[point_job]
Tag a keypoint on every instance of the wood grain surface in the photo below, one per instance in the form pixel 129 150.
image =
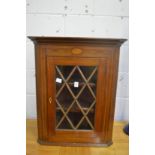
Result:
pixel 120 144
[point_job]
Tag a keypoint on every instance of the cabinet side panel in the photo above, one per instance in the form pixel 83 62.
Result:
pixel 114 88
pixel 111 93
pixel 37 73
pixel 40 61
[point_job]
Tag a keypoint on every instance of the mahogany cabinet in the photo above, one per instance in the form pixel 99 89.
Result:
pixel 76 81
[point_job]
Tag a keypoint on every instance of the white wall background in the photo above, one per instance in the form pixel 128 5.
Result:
pixel 81 18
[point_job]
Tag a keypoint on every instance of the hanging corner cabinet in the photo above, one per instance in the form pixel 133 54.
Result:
pixel 76 81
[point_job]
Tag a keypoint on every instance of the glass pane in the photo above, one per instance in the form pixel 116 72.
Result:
pixel 65 70
pixel 85 125
pixel 59 81
pixel 59 115
pixel 87 71
pixel 75 97
pixel 65 98
pixel 92 82
pixel 75 114
pixel 77 79
pixel 85 99
pixel 65 125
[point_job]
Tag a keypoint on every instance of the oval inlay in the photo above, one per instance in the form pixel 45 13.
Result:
pixel 76 51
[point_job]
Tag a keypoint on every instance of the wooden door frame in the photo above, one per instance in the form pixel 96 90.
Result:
pixel 83 136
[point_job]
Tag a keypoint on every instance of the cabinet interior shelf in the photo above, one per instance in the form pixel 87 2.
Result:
pixel 76 110
pixel 91 84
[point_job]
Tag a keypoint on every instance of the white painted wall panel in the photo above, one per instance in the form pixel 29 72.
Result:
pixel 124 59
pixel 30 82
pixel 127 42
pixel 30 60
pixel 110 27
pixel 111 7
pixel 45 25
pixel 30 106
pixel 60 6
pixel 28 40
pixel 122 109
pixel 106 27
pixel 123 85
pixel 45 6
pixel 80 26
pixel 125 27
pixel 79 6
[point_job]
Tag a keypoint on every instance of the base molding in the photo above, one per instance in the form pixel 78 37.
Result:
pixel 75 144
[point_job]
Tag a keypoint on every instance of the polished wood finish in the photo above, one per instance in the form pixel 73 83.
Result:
pixel 120 143
pixel 103 53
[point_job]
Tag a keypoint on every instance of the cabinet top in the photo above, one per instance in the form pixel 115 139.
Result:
pixel 79 40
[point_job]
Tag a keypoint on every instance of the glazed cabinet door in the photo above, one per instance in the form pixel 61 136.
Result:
pixel 75 99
